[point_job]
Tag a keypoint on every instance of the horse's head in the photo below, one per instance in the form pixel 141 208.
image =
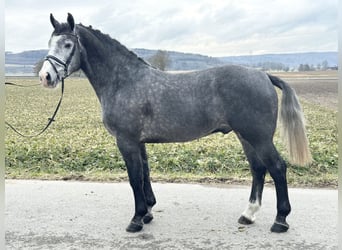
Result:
pixel 64 55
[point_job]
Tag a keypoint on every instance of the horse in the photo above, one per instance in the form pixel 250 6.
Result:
pixel 141 104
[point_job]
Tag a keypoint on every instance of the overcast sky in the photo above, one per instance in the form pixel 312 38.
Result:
pixel 208 27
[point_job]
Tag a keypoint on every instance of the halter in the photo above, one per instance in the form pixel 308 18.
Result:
pixel 53 59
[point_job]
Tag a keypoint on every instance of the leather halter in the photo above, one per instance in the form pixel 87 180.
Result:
pixel 53 60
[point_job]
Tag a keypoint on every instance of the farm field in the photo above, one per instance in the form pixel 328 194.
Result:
pixel 78 147
pixel 315 86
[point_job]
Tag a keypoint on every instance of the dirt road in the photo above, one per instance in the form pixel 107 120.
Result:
pixel 85 215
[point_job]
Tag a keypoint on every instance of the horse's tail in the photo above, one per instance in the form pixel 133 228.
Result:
pixel 293 124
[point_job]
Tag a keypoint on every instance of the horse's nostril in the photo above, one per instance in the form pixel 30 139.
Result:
pixel 48 77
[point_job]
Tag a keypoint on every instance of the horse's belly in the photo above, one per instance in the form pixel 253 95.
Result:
pixel 180 134
pixel 169 137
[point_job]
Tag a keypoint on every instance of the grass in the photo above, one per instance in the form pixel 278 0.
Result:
pixel 77 146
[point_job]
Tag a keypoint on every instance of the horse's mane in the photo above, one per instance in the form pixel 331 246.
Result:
pixel 105 38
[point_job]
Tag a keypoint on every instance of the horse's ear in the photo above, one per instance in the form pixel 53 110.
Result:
pixel 53 21
pixel 71 21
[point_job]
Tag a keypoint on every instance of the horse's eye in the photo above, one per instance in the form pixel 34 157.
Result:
pixel 67 45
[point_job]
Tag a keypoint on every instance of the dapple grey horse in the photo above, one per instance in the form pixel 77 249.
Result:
pixel 141 104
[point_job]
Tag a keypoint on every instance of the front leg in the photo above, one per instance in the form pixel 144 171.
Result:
pixel 130 150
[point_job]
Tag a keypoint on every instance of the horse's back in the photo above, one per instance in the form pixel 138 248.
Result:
pixel 238 89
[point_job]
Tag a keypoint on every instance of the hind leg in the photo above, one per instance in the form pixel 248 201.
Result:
pixel 277 169
pixel 258 172
pixel 149 195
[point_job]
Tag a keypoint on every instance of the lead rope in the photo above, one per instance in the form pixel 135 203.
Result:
pixel 65 66
pixel 19 85
pixel 52 119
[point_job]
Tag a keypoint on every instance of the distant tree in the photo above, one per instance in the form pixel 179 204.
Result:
pixel 160 60
pixel 38 66
pixel 304 67
pixel 301 67
pixel 325 65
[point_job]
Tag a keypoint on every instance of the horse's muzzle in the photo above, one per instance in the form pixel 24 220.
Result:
pixel 45 80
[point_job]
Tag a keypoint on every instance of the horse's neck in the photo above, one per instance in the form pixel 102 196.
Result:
pixel 106 64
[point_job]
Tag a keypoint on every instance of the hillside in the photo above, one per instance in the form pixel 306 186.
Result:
pixel 30 57
pixel 22 63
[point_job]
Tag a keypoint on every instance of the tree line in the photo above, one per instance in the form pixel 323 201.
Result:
pixel 267 66
pixel 320 66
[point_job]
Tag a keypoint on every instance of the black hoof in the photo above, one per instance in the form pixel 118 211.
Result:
pixel 279 227
pixel 147 218
pixel 134 227
pixel 245 221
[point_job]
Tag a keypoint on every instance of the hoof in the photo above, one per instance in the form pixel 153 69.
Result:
pixel 134 227
pixel 148 218
pixel 245 221
pixel 279 227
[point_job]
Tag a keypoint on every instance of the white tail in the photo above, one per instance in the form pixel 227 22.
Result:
pixel 293 124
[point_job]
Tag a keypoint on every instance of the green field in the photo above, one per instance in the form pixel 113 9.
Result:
pixel 77 146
